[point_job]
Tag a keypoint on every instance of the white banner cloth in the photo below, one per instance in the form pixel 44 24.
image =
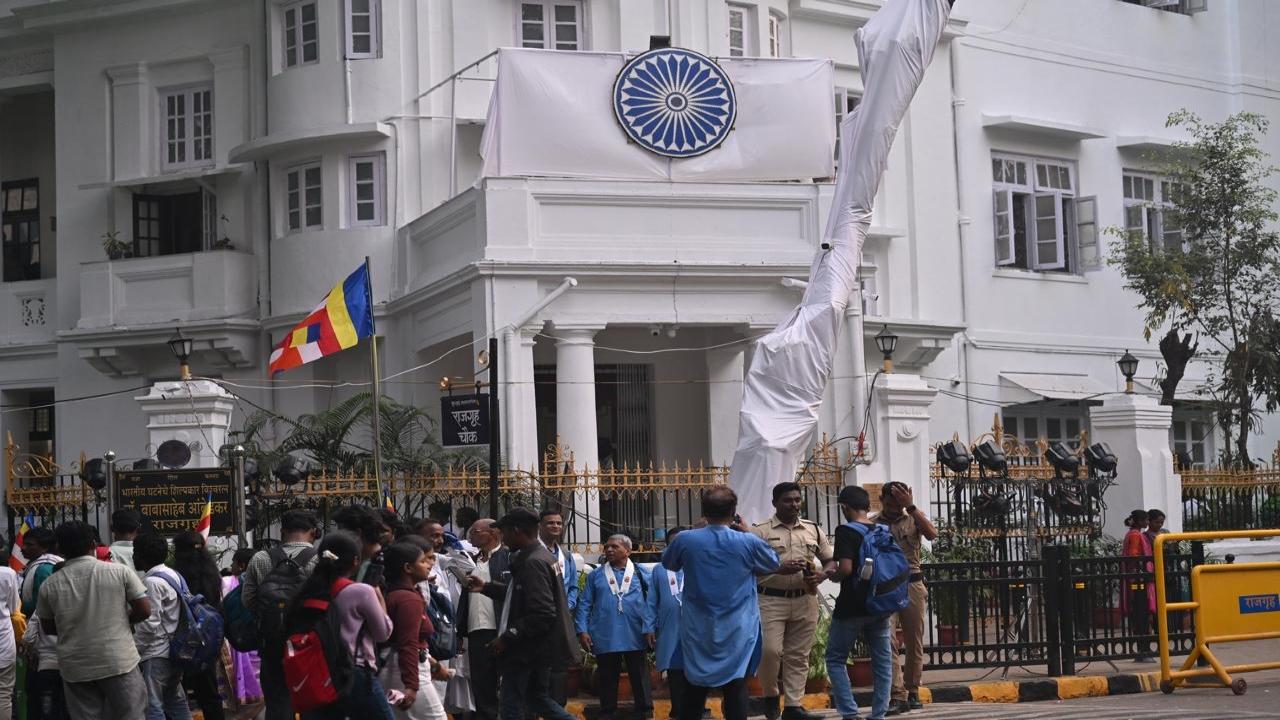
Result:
pixel 551 115
pixel 789 370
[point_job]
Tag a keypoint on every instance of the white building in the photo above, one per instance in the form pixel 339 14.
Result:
pixel 306 135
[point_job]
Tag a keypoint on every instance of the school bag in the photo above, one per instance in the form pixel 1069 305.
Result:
pixel 278 588
pixel 318 666
pixel 197 642
pixel 890 573
pixel 241 624
pixel 443 643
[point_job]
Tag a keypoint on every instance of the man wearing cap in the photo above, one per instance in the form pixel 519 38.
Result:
pixel 789 601
pixel 909 526
pixel 535 631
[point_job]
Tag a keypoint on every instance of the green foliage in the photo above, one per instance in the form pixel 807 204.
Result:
pixel 337 439
pixel 1223 283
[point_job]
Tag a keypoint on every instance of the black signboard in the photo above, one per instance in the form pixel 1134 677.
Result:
pixel 173 500
pixel 464 420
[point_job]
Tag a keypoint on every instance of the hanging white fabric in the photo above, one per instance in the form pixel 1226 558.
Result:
pixel 790 367
pixel 551 115
pixel 675 582
pixel 619 591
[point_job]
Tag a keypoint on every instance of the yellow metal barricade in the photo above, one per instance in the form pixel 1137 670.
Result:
pixel 1232 603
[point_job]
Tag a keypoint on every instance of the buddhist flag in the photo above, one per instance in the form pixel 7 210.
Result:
pixel 17 560
pixel 206 518
pixel 338 322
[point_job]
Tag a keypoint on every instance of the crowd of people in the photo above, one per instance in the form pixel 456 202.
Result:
pixel 479 617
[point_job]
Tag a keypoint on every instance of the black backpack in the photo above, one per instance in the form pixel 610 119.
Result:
pixel 278 588
pixel 443 643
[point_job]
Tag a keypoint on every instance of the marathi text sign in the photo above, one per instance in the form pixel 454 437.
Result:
pixel 464 420
pixel 173 500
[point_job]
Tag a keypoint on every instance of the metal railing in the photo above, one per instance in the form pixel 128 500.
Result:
pixel 1231 498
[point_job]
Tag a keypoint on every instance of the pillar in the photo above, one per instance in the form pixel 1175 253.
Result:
pixel 576 421
pixel 1137 429
pixel 519 413
pixel 899 447
pixel 192 411
pixel 725 368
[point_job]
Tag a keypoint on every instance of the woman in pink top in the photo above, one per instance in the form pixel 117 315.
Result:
pixel 362 613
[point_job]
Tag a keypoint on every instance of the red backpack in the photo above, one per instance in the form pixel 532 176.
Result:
pixel 317 664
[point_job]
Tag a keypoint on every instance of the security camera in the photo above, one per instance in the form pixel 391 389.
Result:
pixel 655 330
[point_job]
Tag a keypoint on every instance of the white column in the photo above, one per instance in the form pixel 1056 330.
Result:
pixel 132 106
pixel 900 444
pixel 194 411
pixel 576 417
pixel 725 367
pixel 519 415
pixel 1137 429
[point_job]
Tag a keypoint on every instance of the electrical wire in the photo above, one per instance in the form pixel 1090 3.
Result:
pixel 67 401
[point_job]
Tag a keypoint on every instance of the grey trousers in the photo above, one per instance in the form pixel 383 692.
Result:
pixel 119 697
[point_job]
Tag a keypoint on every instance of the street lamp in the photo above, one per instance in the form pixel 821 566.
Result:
pixel 181 347
pixel 1128 367
pixel 886 342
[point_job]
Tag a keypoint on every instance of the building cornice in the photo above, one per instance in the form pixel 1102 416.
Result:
pixel 64 14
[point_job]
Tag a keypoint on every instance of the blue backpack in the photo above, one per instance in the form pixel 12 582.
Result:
pixel 443 643
pixel 197 642
pixel 241 624
pixel 890 574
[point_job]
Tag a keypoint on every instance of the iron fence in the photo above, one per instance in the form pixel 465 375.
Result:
pixel 1230 498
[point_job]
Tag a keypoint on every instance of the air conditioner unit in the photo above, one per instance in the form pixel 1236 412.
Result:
pixel 1162 3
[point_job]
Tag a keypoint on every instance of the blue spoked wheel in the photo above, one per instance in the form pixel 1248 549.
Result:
pixel 675 102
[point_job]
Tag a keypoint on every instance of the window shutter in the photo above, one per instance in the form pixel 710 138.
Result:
pixel 1191 7
pixel 1003 207
pixel 1048 247
pixel 1090 246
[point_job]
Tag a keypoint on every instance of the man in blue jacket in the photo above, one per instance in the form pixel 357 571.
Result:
pixel 616 622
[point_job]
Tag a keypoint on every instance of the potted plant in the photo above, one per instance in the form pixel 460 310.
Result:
pixel 224 242
pixel 816 680
pixel 947 600
pixel 114 246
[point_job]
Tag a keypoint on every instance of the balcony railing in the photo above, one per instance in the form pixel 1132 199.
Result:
pixel 28 310
pixel 186 287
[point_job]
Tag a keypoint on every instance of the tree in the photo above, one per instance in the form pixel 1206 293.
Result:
pixel 1222 283
pixel 337 439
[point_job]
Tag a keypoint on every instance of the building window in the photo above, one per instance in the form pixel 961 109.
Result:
pixel 20 229
pixel 1150 210
pixel 304 197
pixel 301 34
pixel 1191 437
pixel 173 224
pixel 846 102
pixel 1184 7
pixel 1039 221
pixel 1055 424
pixel 188 128
pixel 777 26
pixel 551 24
pixel 364 25
pixel 366 190
pixel 741 31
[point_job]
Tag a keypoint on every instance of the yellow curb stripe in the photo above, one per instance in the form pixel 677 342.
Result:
pixel 926 695
pixel 997 692
pixel 1150 681
pixel 1078 687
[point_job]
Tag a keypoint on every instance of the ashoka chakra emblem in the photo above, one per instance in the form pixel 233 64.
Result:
pixel 675 102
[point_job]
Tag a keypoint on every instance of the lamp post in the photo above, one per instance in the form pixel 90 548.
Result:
pixel 181 347
pixel 1128 367
pixel 887 342
pixel 238 495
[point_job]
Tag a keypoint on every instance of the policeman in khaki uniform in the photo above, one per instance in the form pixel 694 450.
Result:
pixel 909 526
pixel 789 600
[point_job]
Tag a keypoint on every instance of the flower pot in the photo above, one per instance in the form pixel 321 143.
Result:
pixel 573 680
pixel 816 686
pixel 948 635
pixel 860 674
pixel 1109 617
pixel 753 687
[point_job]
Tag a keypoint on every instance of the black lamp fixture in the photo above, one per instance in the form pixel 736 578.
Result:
pixel 1128 368
pixel 181 347
pixel 1100 459
pixel 954 456
pixel 1062 459
pixel 94 473
pixel 886 343
pixel 291 470
pixel 991 458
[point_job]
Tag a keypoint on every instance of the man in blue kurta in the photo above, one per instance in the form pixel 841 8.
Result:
pixel 720 638
pixel 665 597
pixel 615 621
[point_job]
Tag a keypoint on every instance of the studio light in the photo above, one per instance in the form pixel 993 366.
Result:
pixel 94 473
pixel 291 471
pixel 955 457
pixel 993 504
pixel 1062 459
pixel 1100 459
pixel 991 458
pixel 252 474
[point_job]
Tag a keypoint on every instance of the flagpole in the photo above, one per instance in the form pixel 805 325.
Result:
pixel 377 392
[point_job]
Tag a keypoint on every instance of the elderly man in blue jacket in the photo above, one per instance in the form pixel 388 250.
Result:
pixel 615 621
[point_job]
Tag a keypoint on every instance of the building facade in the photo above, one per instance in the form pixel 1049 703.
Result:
pixel 241 156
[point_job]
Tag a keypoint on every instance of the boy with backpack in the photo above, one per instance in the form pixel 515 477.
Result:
pixel 273 577
pixel 165 695
pixel 874 577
